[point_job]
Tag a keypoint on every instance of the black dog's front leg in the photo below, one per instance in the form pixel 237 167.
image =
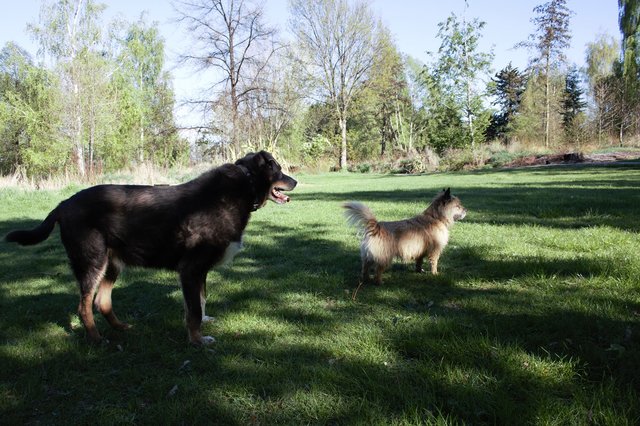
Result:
pixel 193 285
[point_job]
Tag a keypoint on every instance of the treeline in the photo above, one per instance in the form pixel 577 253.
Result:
pixel 97 99
pixel 339 93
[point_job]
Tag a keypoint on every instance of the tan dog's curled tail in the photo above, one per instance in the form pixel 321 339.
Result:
pixel 360 216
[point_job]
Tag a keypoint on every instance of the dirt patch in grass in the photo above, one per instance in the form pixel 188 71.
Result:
pixel 574 158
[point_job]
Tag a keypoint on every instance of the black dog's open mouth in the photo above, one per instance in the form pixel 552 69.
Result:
pixel 284 184
pixel 277 195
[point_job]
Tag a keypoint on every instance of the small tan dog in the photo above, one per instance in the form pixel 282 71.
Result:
pixel 409 239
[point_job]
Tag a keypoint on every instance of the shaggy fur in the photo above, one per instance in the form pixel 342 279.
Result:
pixel 412 239
pixel 188 228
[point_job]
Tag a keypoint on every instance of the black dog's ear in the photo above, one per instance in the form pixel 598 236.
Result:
pixel 260 159
pixel 254 160
pixel 447 193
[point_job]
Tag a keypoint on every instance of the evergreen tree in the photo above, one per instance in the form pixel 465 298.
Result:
pixel 573 103
pixel 507 87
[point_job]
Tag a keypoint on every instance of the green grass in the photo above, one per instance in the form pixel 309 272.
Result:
pixel 535 318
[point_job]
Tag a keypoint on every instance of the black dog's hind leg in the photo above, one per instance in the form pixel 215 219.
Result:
pixel 88 257
pixel 103 297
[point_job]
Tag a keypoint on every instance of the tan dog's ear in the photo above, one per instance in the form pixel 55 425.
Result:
pixel 447 193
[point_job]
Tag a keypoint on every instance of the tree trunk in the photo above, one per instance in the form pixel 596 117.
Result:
pixel 470 120
pixel 343 149
pixel 77 132
pixel 383 135
pixel 92 136
pixel 235 104
pixel 141 154
pixel 547 110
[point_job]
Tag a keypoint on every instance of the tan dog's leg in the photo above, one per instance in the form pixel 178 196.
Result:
pixel 433 258
pixel 379 271
pixel 366 266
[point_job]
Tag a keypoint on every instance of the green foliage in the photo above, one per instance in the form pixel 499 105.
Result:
pixel 601 55
pixel 529 123
pixel 30 117
pixel 99 106
pixel 456 74
pixel 532 320
pixel 314 149
pixel 336 42
pixel 629 27
pixel 104 102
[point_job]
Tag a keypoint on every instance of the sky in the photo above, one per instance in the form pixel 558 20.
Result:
pixel 413 23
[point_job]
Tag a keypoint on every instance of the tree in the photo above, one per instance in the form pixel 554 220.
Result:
pixel 29 116
pixel 69 32
pixel 530 122
pixel 412 120
pixel 601 57
pixel 336 46
pixel 629 20
pixel 231 41
pixel 572 104
pixel 550 38
pixel 165 147
pixel 444 124
pixel 389 88
pixel 269 110
pixel 459 68
pixel 15 64
pixel 142 61
pixel 507 88
pixel 377 110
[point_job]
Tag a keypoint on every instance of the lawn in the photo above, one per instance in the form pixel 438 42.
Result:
pixel 534 318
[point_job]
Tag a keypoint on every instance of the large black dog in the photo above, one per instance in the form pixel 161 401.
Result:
pixel 189 228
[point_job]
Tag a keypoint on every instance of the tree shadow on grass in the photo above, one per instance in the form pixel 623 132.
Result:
pixel 435 345
pixel 554 207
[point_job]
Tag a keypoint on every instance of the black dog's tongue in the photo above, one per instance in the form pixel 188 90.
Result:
pixel 279 197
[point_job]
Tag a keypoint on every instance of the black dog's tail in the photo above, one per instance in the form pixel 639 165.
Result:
pixel 37 234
